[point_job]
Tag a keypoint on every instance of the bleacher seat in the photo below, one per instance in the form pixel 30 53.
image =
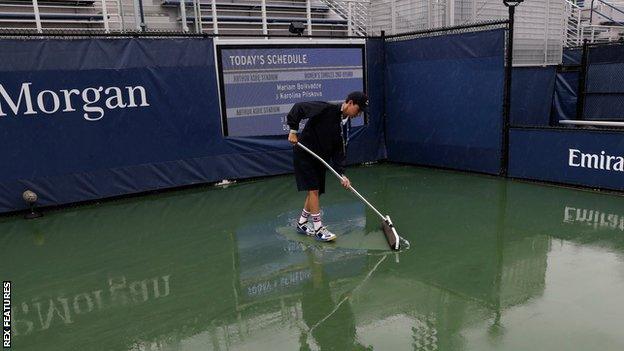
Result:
pixel 246 19
pixel 51 16
pixel 54 2
pixel 250 7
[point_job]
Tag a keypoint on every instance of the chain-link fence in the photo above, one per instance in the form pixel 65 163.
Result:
pixel 601 87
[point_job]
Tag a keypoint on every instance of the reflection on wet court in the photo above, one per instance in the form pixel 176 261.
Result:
pixel 494 264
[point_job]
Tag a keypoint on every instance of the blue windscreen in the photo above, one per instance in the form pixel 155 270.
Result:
pixel 604 86
pixel 445 100
pixel 88 119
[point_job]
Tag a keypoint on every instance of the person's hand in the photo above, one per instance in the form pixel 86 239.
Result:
pixel 292 137
pixel 346 182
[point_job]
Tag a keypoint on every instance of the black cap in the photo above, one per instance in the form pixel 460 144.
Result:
pixel 360 99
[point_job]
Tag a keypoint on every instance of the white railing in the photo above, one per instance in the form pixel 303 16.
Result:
pixel 584 23
pixel 42 16
pixel 400 16
pixel 611 10
pixel 273 17
pixel 601 33
pixel 354 11
pixel 573 26
pixel 538 31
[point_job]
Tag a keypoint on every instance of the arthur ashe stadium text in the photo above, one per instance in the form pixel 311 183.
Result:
pixel 88 100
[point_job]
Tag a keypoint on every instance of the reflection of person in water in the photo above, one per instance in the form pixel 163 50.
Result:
pixel 331 331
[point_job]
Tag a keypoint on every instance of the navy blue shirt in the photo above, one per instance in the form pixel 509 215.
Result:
pixel 323 132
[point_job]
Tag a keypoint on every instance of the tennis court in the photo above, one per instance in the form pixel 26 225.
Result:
pixel 493 264
pixel 155 157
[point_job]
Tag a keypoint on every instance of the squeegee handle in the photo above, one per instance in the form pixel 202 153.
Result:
pixel 383 218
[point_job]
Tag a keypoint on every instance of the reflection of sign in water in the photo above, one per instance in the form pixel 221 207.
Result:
pixel 260 85
pixel 270 263
pixel 285 281
pixel 593 218
pixel 39 314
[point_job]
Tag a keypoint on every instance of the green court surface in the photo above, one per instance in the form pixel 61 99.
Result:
pixel 493 264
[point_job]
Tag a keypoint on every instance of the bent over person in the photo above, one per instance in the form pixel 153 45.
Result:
pixel 326 133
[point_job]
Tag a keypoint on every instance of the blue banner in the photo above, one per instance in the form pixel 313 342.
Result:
pixel 565 97
pixel 260 85
pixel 579 157
pixel 89 119
pixel 604 87
pixel 532 91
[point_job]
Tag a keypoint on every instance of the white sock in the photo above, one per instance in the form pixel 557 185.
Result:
pixel 316 219
pixel 304 216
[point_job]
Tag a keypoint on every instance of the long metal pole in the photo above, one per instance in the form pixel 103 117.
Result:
pixel 142 16
pixel 383 87
pixel 580 94
pixel 591 13
pixel 507 99
pixel 340 178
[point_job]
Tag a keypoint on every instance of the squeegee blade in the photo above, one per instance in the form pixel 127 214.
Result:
pixel 391 234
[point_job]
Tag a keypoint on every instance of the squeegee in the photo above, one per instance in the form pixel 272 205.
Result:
pixel 386 225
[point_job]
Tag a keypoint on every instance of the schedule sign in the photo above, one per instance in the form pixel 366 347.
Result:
pixel 259 85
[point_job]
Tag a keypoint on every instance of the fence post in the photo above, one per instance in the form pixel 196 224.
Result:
pixel 384 115
pixel 507 98
pixel 105 17
pixel 37 17
pixel 142 25
pixel 580 95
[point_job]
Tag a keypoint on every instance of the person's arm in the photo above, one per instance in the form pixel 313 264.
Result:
pixel 299 112
pixel 340 162
pixel 295 116
pixel 293 119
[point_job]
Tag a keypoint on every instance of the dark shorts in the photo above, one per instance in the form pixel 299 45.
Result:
pixel 309 172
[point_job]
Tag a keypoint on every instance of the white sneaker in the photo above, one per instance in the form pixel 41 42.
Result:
pixel 323 234
pixel 305 228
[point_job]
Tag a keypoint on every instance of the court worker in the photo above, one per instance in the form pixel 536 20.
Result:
pixel 326 133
